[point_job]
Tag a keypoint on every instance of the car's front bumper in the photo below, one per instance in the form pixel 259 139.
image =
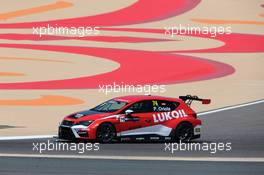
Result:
pixel 73 133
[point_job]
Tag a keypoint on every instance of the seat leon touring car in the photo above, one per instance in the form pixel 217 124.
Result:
pixel 135 118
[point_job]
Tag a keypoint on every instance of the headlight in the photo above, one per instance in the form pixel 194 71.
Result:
pixel 85 123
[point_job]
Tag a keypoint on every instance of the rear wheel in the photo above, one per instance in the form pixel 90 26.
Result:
pixel 184 132
pixel 105 133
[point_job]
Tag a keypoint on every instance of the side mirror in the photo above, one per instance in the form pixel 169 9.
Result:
pixel 129 112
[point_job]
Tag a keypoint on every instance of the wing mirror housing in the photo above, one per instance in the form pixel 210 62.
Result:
pixel 129 112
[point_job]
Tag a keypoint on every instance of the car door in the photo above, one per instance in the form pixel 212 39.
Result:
pixel 136 123
pixel 162 115
pixel 161 110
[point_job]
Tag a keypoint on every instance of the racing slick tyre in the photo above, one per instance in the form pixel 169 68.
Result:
pixel 183 132
pixel 105 133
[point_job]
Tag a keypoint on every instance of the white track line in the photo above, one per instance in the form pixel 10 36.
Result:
pixel 205 159
pixel 230 107
pixel 199 114
pixel 26 137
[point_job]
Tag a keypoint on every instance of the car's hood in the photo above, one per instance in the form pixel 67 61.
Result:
pixel 87 115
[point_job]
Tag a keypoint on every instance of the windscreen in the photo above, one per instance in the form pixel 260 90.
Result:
pixel 109 106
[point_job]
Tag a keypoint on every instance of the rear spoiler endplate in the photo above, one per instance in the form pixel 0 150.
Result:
pixel 188 99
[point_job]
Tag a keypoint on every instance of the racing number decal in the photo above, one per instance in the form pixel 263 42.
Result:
pixel 154 103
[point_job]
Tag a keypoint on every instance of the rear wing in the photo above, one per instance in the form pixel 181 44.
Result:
pixel 188 99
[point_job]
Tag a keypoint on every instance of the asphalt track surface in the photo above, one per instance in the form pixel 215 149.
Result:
pixel 242 127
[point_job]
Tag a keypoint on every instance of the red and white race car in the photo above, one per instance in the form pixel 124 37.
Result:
pixel 135 118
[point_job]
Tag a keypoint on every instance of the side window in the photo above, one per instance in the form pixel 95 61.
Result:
pixel 164 106
pixel 141 107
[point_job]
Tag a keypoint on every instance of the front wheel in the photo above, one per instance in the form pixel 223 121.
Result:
pixel 105 133
pixel 184 132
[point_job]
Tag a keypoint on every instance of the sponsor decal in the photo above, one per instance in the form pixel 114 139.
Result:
pixel 165 116
pixel 79 115
pixel 167 138
pixel 154 138
pixel 125 139
pixel 125 119
pixel 140 138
